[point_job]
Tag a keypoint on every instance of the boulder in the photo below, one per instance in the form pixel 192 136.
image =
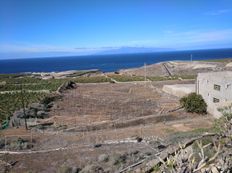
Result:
pixel 18 114
pixel 37 106
pixel 35 110
pixel 76 169
pixel 120 159
pixel 161 147
pixel 139 139
pixel 214 170
pixel 50 105
pixel 92 168
pixel 70 85
pixel 103 158
pixel 16 121
pixel 42 114
pixel 2 143
pixel 66 86
pixel 97 145
pixel 30 113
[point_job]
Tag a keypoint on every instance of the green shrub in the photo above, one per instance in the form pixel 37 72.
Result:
pixel 194 103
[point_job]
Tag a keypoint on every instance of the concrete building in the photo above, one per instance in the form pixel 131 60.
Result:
pixel 216 89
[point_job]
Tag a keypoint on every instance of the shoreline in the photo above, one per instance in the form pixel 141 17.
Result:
pixel 71 71
pixel 106 63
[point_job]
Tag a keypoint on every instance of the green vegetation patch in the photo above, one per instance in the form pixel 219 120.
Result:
pixel 19 79
pixel 125 78
pixel 9 83
pixel 93 79
pixel 10 102
pixel 50 85
pixel 179 136
pixel 194 103
pixel 161 78
pixel 83 72
pixel 175 77
pixel 12 86
pixel 219 60
pixel 187 76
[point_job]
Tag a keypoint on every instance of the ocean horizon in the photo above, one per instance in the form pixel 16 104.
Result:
pixel 106 63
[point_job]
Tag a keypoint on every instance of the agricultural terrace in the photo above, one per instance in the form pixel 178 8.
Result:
pixel 35 89
pixel 15 87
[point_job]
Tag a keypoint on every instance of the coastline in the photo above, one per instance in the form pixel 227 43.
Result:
pixel 106 63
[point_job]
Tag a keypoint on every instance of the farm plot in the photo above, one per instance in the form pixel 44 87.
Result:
pixel 91 103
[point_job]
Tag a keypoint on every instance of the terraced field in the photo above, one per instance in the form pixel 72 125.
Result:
pixel 14 89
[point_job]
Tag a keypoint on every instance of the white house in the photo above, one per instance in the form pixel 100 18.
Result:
pixel 216 89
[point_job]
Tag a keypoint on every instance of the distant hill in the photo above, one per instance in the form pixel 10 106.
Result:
pixel 127 50
pixel 81 52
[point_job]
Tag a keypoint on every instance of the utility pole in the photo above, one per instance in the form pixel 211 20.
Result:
pixel 23 104
pixel 145 72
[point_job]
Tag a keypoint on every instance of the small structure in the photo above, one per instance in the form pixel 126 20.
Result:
pixel 216 89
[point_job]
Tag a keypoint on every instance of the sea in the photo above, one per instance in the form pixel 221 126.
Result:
pixel 106 63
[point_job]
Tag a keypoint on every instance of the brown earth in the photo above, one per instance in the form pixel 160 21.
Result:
pixel 104 114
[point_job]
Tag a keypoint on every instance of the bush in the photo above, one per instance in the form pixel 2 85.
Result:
pixel 194 103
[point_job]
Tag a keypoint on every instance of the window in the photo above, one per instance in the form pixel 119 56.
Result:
pixel 215 100
pixel 228 86
pixel 217 87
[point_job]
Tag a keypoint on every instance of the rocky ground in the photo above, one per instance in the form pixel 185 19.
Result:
pixel 208 153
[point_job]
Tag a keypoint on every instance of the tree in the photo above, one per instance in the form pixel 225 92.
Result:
pixel 194 103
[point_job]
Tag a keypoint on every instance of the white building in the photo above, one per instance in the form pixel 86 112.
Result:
pixel 216 89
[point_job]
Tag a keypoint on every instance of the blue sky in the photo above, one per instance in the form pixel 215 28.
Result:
pixel 61 27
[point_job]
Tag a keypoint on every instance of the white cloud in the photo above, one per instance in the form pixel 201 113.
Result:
pixel 182 39
pixel 201 39
pixel 167 39
pixel 218 12
pixel 192 38
pixel 203 36
pixel 32 48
